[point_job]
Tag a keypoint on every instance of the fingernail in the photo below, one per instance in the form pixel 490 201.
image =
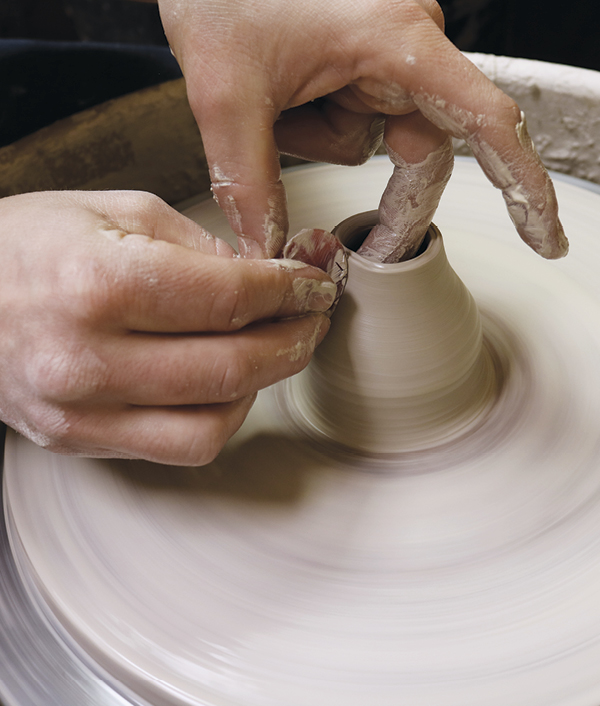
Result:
pixel 249 249
pixel 314 295
pixel 321 249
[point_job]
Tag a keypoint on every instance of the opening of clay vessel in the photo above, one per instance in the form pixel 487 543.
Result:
pixel 353 231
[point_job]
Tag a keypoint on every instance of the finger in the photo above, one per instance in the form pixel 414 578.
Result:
pixel 467 105
pixel 411 138
pixel 433 9
pixel 243 160
pixel 186 370
pixel 187 435
pixel 348 97
pixel 325 131
pixel 502 146
pixel 324 250
pixel 139 212
pixel 423 157
pixel 464 103
pixel 515 167
pixel 159 287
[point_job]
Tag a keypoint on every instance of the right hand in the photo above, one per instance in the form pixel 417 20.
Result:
pixel 316 79
pixel 126 330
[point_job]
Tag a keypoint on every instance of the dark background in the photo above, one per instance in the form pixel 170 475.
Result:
pixel 61 56
pixel 526 28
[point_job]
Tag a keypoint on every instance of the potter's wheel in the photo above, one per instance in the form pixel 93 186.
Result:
pixel 294 573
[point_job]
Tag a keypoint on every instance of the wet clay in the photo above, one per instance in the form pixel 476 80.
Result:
pixel 299 570
pixel 419 376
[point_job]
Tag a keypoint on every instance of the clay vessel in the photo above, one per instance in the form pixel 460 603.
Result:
pixel 403 367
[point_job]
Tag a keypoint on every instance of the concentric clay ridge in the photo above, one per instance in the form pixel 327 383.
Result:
pixel 465 573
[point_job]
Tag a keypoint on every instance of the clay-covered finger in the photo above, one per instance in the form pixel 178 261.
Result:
pixel 155 286
pixel 243 161
pixel 146 369
pixel 502 146
pixel 454 95
pixel 423 157
pixel 527 189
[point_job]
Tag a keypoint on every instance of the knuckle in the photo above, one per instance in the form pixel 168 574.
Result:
pixel 512 109
pixel 218 91
pixel 145 204
pixel 50 427
pixel 86 286
pixel 222 426
pixel 412 11
pixel 503 104
pixel 230 308
pixel 506 112
pixel 138 201
pixel 60 372
pixel 353 150
pixel 433 9
pixel 231 376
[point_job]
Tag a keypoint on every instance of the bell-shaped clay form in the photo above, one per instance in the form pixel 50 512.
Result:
pixel 403 367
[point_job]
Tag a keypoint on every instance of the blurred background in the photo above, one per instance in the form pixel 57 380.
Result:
pixel 58 57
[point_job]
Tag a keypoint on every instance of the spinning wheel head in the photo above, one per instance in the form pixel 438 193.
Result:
pixel 457 573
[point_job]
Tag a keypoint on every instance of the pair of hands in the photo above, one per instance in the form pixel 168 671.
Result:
pixel 127 330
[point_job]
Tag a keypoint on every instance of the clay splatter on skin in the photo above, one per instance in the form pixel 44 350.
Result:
pixel 274 224
pixel 228 205
pixel 408 205
pixel 273 232
pixel 287 264
pixel 534 214
pixel 218 177
pixel 55 419
pixel 249 248
pixel 232 212
pixel 313 294
pixel 533 209
pixel 304 347
pixel 385 95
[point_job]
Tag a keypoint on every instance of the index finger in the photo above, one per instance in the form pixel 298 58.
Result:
pixel 457 97
pixel 163 287
pixel 243 160
pixel 499 140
